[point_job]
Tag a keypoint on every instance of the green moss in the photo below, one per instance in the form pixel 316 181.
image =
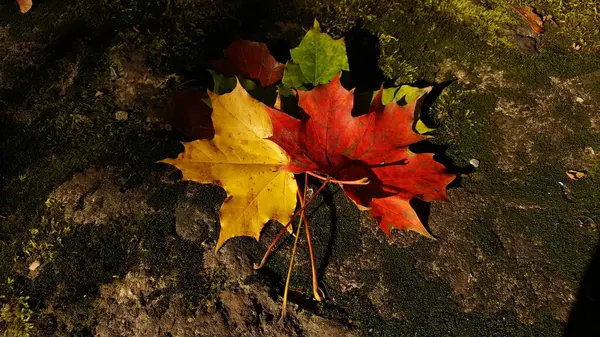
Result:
pixel 16 317
pixel 488 19
pixel 595 171
pixel 45 238
pixel 567 245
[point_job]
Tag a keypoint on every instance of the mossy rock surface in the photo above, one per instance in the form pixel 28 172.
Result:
pixel 98 239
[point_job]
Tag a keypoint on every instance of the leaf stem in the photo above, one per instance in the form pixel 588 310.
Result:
pixel 302 208
pixel 363 181
pixel 315 285
pixel 289 274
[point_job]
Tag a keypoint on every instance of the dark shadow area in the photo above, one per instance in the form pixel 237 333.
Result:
pixel 79 42
pixel 327 195
pixel 304 300
pixel 440 156
pixel 247 22
pixel 423 209
pixel 280 49
pixel 97 255
pixel 362 102
pixel 429 99
pixel 363 52
pixel 584 319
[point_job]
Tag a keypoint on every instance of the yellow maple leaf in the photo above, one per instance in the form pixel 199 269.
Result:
pixel 247 165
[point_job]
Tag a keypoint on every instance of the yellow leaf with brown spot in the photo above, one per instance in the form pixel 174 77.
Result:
pixel 245 163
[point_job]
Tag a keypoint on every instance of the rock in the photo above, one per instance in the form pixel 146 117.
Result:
pixel 95 196
pixel 141 305
pixel 135 87
pixel 195 219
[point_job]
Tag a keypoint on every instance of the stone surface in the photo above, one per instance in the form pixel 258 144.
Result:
pixel 97 196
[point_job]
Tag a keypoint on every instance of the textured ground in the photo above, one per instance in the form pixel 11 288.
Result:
pixel 98 240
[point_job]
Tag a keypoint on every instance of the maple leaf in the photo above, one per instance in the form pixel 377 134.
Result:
pixel 316 60
pixel 329 140
pixel 250 59
pixel 245 163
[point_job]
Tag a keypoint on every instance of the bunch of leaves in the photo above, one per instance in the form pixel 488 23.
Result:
pixel 259 144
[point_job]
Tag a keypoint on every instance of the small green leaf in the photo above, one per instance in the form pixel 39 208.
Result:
pixel 225 84
pixel 421 128
pixel 405 92
pixel 293 77
pixel 285 91
pixel 389 95
pixel 222 84
pixel 411 93
pixel 207 101
pixel 404 95
pixel 319 56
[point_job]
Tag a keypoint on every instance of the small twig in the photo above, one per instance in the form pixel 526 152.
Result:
pixel 264 259
pixel 289 274
pixel 363 181
pixel 315 283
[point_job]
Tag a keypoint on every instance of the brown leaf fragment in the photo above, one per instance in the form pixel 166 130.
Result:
pixel 575 175
pixel 34 265
pixel 24 5
pixel 251 59
pixel 533 19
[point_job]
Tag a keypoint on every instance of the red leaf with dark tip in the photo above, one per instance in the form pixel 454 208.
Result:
pixel 374 145
pixel 251 59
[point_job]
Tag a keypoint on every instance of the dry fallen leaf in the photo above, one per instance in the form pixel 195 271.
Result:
pixel 34 265
pixel 24 5
pixel 575 175
pixel 534 19
pixel 251 59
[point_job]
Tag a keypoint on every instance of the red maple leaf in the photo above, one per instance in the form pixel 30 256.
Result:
pixel 250 59
pixel 329 140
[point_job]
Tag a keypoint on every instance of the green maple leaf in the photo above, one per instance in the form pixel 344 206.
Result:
pixel 316 60
pixel 293 77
